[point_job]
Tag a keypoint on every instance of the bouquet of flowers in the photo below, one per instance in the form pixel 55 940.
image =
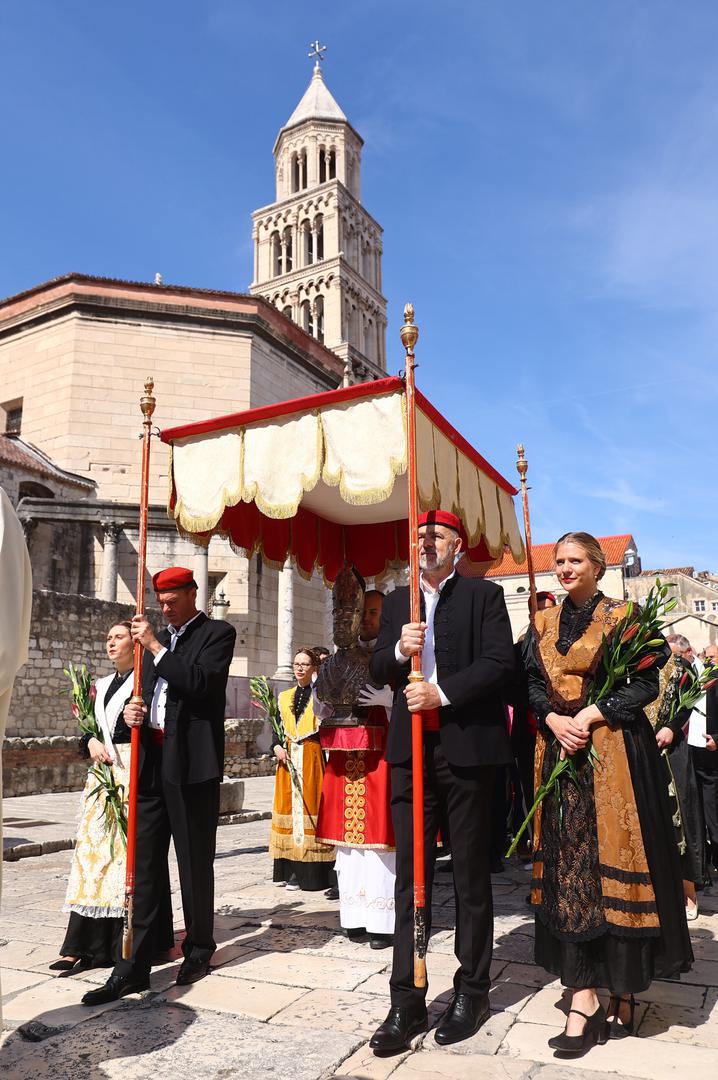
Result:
pixel 691 688
pixel 111 794
pixel 625 654
pixel 263 698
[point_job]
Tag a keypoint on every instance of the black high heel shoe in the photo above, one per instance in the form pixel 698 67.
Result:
pixel 616 1028
pixel 594 1032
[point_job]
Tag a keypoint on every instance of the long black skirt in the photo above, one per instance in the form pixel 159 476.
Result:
pixel 628 963
pixel 310 876
pixel 99 941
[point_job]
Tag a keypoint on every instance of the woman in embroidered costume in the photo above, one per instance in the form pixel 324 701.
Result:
pixel 300 861
pixel 606 884
pixel 96 887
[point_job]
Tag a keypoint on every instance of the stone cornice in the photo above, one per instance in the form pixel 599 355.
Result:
pixel 335 186
pixel 107 298
pixel 338 266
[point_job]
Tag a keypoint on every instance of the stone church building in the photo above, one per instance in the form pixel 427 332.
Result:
pixel 75 352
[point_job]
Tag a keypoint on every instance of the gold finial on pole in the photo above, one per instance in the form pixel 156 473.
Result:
pixel 409 333
pixel 522 467
pixel 148 401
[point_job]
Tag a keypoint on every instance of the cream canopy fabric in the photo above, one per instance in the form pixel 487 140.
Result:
pixel 340 456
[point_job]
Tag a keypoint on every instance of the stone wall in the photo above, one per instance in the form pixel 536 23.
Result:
pixel 37 766
pixel 64 627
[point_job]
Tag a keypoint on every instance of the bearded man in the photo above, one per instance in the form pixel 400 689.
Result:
pixel 465 643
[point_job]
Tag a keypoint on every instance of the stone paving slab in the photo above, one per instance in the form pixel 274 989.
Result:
pixel 291 997
pixel 162 1040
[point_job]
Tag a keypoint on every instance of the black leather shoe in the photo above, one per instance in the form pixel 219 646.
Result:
pixel 192 971
pixel 115 988
pixel 381 941
pixel 400 1027
pixel 462 1019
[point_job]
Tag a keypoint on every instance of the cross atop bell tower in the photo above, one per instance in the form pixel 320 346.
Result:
pixel 317 251
pixel 317 52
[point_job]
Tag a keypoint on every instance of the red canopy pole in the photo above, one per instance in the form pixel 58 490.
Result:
pixel 147 404
pixel 522 467
pixel 409 335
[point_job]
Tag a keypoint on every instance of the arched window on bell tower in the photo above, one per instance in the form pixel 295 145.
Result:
pixel 322 165
pixel 303 170
pixel 307 321
pixel 319 319
pixel 332 164
pixel 287 249
pixel 276 249
pixel 294 170
pixel 307 243
pixel 318 237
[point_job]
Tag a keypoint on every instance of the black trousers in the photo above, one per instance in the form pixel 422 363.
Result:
pixel 705 764
pixel 464 796
pixel 188 813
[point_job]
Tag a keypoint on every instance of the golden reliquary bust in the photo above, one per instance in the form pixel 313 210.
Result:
pixel 345 674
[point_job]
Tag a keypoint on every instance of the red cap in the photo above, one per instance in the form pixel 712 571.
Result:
pixel 442 517
pixel 174 577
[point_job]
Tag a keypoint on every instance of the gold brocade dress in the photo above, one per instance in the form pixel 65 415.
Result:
pixel 606 886
pixel 293 846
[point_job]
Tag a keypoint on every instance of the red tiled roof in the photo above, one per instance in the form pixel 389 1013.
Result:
pixel 21 455
pixel 614 548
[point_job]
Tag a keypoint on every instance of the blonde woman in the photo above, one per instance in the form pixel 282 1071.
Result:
pixel 606 884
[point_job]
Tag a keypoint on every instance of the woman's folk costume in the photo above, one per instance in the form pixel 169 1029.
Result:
pixel 679 773
pixel 606 885
pixel 96 886
pixel 297 790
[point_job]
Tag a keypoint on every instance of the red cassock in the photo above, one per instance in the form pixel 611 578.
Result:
pixel 354 810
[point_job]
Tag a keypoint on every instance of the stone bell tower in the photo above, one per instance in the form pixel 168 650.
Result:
pixel 317 252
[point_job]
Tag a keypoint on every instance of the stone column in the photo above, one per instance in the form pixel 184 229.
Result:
pixel 201 576
pixel 110 538
pixel 285 623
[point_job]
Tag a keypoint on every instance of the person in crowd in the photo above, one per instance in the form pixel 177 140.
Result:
pixel 184 681
pixel 96 887
pixel 464 641
pixel 681 782
pixel 321 652
pixel 702 735
pixel 607 883
pixel 355 813
pixel 523 739
pixel 300 861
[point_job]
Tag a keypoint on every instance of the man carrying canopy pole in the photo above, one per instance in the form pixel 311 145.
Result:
pixel 461 647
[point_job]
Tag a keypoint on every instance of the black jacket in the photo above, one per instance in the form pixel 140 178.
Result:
pixel 474 661
pixel 196 674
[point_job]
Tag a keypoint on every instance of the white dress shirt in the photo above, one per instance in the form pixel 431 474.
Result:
pixel 428 654
pixel 159 698
pixel 697 719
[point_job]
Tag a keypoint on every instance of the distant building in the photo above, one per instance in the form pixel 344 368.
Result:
pixel 696 615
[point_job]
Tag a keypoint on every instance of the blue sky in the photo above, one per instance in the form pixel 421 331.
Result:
pixel 545 174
